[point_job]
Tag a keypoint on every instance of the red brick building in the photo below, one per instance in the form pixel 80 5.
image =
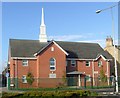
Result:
pixel 50 61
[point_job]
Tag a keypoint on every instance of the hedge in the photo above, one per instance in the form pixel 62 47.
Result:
pixel 48 94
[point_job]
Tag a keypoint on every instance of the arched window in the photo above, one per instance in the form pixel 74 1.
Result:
pixel 52 64
pixel 99 63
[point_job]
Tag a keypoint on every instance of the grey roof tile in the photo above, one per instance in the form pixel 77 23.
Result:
pixel 27 48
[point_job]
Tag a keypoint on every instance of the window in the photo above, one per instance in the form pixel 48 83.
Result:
pixel 87 63
pixel 73 63
pixel 66 63
pixel 99 63
pixel 52 75
pixel 24 79
pixel 87 78
pixel 52 64
pixel 52 48
pixel 25 62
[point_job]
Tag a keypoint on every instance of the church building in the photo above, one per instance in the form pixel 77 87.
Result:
pixel 51 62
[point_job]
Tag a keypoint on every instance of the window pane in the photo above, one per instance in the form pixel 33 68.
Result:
pixel 52 67
pixel 52 61
pixel 87 78
pixel 73 62
pixel 87 63
pixel 99 63
pixel 52 64
pixel 24 62
pixel 24 79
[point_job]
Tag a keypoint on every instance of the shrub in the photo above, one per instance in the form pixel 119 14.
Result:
pixel 30 78
pixel 10 95
pixel 103 77
pixel 51 94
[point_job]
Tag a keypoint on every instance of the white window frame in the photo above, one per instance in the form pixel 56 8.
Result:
pixel 52 74
pixel 89 78
pixel 24 63
pixel 86 63
pixel 99 62
pixel 73 63
pixel 53 65
pixel 24 80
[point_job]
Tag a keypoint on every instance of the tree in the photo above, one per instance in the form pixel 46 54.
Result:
pixel 103 77
pixel 30 78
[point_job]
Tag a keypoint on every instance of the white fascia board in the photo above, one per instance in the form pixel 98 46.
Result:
pixel 80 59
pixel 108 59
pixel 103 58
pixel 23 57
pixel 86 59
pixel 60 48
pixel 48 45
pixel 42 49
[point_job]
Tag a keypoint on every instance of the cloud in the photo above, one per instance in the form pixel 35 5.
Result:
pixel 66 37
pixel 101 42
pixel 78 38
pixel 81 38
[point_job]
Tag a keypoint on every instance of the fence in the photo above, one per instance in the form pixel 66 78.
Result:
pixel 69 82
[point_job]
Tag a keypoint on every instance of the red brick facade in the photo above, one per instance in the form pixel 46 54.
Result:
pixel 40 67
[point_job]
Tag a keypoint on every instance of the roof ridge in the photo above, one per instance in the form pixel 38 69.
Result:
pixel 77 42
pixel 23 39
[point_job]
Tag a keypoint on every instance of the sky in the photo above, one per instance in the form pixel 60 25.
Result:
pixel 70 21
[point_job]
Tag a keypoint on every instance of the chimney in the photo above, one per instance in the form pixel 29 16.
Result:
pixel 109 41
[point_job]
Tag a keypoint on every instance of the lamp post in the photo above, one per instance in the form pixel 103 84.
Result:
pixel 116 75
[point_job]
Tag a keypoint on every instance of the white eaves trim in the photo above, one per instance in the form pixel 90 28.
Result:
pixel 60 48
pixel 79 59
pixel 91 59
pixel 23 57
pixel 48 45
pixel 103 58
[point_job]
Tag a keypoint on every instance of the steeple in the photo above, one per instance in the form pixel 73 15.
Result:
pixel 42 18
pixel 42 36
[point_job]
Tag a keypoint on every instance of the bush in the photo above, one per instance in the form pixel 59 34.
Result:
pixel 30 78
pixel 10 95
pixel 52 94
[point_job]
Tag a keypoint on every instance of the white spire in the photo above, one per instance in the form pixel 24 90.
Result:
pixel 42 18
pixel 42 36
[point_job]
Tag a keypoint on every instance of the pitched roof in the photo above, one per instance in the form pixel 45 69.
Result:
pixel 25 48
pixel 83 50
pixel 78 50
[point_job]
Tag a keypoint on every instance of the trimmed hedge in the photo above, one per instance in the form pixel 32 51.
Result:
pixel 52 94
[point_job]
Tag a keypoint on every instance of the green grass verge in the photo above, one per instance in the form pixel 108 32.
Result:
pixel 61 88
